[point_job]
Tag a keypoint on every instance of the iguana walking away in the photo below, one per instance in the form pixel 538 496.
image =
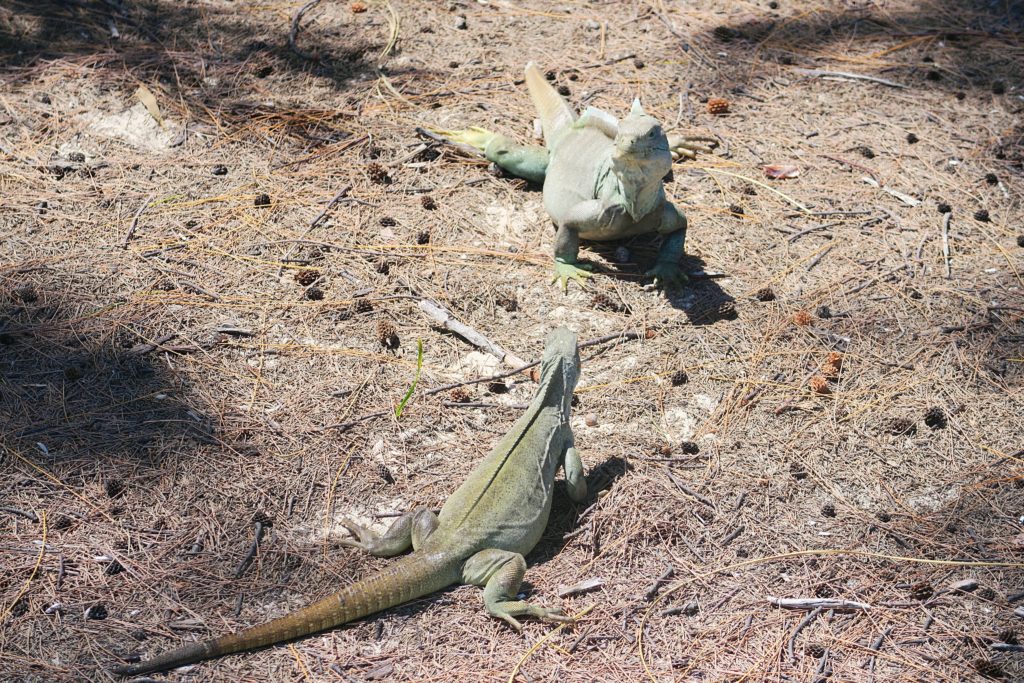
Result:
pixel 480 536
pixel 603 178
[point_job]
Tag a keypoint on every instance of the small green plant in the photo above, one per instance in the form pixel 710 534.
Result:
pixel 419 366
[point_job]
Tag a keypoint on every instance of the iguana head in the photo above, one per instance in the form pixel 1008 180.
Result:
pixel 560 365
pixel 641 139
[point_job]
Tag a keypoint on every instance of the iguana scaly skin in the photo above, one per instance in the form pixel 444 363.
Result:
pixel 603 178
pixel 480 537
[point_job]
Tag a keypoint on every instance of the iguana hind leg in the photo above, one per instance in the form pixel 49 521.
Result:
pixel 411 529
pixel 529 162
pixel 501 573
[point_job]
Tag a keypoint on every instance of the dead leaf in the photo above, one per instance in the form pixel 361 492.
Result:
pixel 781 171
pixel 146 97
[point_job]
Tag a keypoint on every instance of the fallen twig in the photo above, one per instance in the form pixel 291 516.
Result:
pixel 141 349
pixel 135 220
pixel 804 623
pixel 31 516
pixel 690 492
pixel 341 194
pixel 581 587
pixel 846 74
pixel 853 164
pixel 902 196
pixel 656 586
pixel 816 603
pixel 945 244
pixel 875 647
pixel 446 319
pixel 247 560
pixel 294 32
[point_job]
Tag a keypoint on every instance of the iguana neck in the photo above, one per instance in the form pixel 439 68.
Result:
pixel 639 182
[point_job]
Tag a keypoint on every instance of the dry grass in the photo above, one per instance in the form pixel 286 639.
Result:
pixel 141 443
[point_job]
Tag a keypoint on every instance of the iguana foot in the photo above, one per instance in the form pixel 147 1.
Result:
pixel 571 271
pixel 668 274
pixel 686 147
pixel 508 611
pixel 474 136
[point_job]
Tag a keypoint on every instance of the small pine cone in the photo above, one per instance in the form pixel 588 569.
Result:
pixel 423 237
pixel 428 202
pixel 819 385
pixel 509 303
pixel 689 448
pixel 765 294
pixel 306 277
pixel 900 426
pixel 679 377
pixel 314 294
pixel 921 591
pixel 385 473
pixel 989 668
pixel 378 174
pixel 802 318
pixel 459 395
pixel 261 200
pixel 727 310
pixel 829 510
pixel 986 593
pixel 736 210
pixel 363 306
pixel 387 335
pixel 387 222
pixel 835 358
pixel 718 106
pixel 935 418
pixel 603 302
pixel 263 518
pixel 357 7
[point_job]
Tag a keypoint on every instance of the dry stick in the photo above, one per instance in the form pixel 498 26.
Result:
pixel 443 317
pixel 247 560
pixel 853 164
pixel 690 492
pixel 875 646
pixel 874 280
pixel 816 603
pixel 31 516
pixel 135 220
pixel 795 236
pixel 665 576
pixel 804 623
pixel 847 74
pixel 294 33
pixel 945 244
pixel 817 259
pixel 342 193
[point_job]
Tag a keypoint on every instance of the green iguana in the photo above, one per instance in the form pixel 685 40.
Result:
pixel 603 178
pixel 480 536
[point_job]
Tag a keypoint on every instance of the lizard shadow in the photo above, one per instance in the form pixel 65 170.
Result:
pixel 702 299
pixel 565 515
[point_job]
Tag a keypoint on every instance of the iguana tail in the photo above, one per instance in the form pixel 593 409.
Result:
pixel 411 577
pixel 556 116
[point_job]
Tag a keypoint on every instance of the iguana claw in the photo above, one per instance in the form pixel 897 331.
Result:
pixel 686 147
pixel 668 274
pixel 474 136
pixel 571 271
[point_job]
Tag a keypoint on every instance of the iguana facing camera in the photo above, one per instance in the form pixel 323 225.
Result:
pixel 603 178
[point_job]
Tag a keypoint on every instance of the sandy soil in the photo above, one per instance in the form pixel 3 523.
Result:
pixel 186 317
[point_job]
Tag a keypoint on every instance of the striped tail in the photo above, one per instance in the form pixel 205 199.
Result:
pixel 411 577
pixel 556 116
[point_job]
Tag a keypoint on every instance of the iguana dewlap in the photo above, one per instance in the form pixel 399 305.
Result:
pixel 480 536
pixel 603 178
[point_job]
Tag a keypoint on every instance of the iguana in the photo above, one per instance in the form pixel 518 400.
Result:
pixel 480 536
pixel 603 178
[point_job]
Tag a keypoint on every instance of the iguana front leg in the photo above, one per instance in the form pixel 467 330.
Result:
pixel 687 146
pixel 529 162
pixel 668 271
pixel 575 480
pixel 411 529
pixel 501 573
